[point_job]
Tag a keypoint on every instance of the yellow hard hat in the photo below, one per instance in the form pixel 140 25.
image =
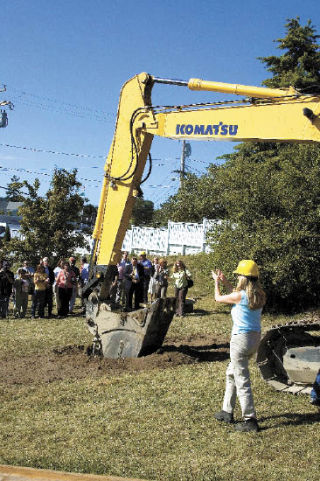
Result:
pixel 143 253
pixel 247 268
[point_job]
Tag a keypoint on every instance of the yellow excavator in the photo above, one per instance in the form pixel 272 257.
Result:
pixel 262 115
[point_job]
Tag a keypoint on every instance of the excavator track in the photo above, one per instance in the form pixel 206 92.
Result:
pixel 289 355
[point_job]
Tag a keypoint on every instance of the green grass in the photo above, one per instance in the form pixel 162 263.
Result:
pixel 155 425
pixel 24 337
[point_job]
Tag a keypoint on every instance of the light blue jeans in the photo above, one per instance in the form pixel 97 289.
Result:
pixel 242 347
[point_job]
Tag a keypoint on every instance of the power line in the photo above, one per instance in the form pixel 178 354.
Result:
pixel 199 161
pixel 160 196
pixel 21 170
pixel 38 150
pixel 33 149
pixel 70 154
pixel 23 97
pixel 28 171
pixel 48 108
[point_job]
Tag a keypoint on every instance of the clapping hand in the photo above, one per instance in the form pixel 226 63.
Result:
pixel 218 275
pixel 215 275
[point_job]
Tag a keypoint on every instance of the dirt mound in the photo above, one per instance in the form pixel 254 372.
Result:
pixel 73 362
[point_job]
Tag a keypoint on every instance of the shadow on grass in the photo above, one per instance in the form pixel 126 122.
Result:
pixel 220 311
pixel 291 419
pixel 201 312
pixel 207 353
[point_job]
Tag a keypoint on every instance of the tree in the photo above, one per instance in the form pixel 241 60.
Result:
pixel 5 241
pixel 198 197
pixel 267 194
pixel 48 223
pixel 88 217
pixel 142 212
pixel 89 213
pixel 299 66
pixel 13 190
pixel 273 217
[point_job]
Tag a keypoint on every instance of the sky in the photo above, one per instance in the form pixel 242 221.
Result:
pixel 64 61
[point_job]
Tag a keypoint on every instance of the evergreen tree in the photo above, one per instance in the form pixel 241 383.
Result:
pixel 13 190
pixel 299 66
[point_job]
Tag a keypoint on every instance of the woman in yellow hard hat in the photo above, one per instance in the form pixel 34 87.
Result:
pixel 248 300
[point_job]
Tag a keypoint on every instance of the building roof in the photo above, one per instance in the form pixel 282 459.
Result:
pixel 13 205
pixel 10 219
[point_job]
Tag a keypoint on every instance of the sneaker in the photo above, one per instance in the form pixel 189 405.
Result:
pixel 224 416
pixel 247 425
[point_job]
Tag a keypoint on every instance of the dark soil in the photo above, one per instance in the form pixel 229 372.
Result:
pixel 73 362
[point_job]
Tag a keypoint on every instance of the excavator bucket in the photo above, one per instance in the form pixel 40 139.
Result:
pixel 119 334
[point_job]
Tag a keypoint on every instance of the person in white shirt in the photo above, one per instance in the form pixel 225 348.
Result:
pixel 56 271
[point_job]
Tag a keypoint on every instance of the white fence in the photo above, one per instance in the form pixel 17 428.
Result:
pixel 178 238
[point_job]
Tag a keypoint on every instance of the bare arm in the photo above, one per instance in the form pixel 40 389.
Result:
pixel 232 298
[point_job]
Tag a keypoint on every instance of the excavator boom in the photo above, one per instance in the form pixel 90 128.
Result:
pixel 123 171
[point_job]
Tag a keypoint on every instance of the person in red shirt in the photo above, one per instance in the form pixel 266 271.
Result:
pixel 65 281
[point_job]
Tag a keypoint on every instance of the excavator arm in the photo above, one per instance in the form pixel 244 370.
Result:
pixel 285 119
pixel 263 115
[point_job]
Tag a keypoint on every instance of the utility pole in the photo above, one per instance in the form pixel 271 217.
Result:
pixel 3 113
pixel 182 162
pixel 186 152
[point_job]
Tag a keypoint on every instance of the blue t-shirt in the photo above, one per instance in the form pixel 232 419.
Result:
pixel 147 265
pixel 245 319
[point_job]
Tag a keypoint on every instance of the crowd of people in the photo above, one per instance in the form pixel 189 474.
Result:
pixel 138 281
pixel 42 284
pixel 141 280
